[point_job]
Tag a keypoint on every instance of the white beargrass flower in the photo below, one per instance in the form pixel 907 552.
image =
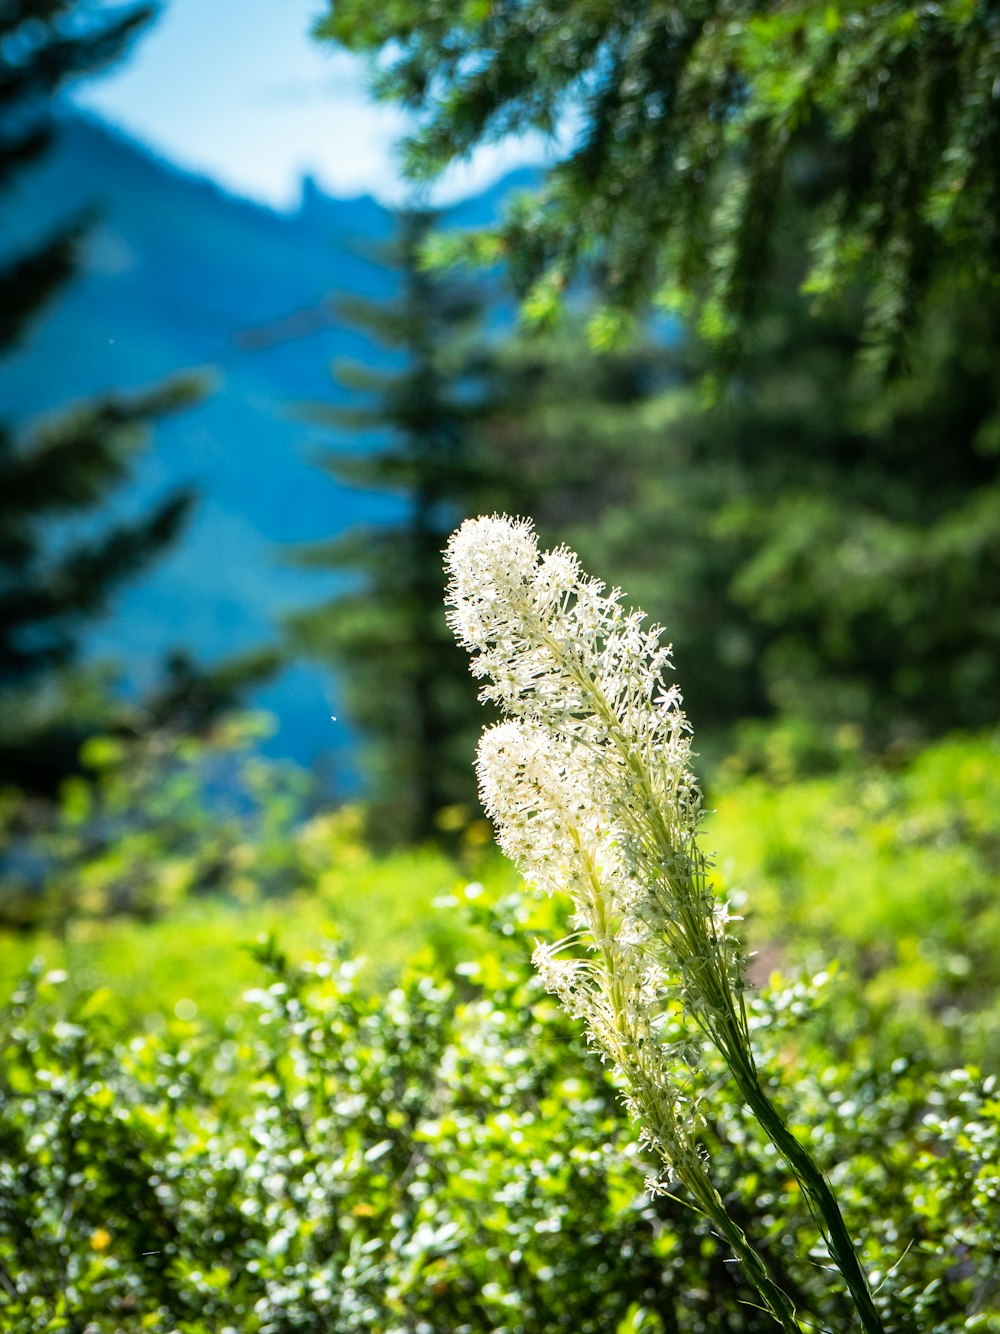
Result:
pixel 588 783
pixel 577 782
pixel 602 735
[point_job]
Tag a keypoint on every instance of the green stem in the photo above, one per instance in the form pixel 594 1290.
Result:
pixel 815 1186
pixel 774 1298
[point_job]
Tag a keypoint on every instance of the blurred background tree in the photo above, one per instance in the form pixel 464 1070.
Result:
pixel 405 684
pixel 478 420
pixel 813 193
pixel 690 125
pixel 817 547
pixel 60 562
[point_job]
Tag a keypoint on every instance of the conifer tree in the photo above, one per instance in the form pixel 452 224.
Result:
pixel 404 684
pixel 57 568
pixel 692 123
pixel 814 188
pixel 823 548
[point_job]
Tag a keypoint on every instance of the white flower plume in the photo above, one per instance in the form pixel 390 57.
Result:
pixel 552 643
pixel 602 734
pixel 588 783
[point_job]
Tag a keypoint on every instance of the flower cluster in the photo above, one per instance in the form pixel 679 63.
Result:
pixel 554 646
pixel 588 783
pixel 589 787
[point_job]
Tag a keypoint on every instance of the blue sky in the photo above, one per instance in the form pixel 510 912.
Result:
pixel 237 90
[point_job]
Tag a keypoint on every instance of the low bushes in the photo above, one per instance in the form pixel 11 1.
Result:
pixel 451 1159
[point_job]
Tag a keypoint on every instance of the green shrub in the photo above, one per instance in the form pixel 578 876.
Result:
pixel 893 867
pixel 434 1150
pixel 149 874
pixel 451 1159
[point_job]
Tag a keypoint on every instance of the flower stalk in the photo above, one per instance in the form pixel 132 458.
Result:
pixel 589 785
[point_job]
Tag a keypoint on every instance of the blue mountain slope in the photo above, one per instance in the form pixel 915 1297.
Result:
pixel 177 274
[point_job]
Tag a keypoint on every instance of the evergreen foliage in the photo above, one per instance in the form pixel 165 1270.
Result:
pixel 405 684
pixel 689 125
pixel 45 45
pixel 59 564
pixel 64 467
pixel 816 547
